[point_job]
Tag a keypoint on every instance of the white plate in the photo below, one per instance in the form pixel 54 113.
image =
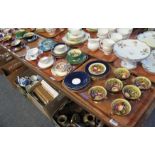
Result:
pixel 148 37
pixel 132 50
pixel 32 54
pixel 46 62
pixel 149 63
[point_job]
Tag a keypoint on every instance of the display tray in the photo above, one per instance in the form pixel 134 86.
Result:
pixel 138 71
pixel 48 70
pixel 47 35
pixel 98 54
pixel 138 106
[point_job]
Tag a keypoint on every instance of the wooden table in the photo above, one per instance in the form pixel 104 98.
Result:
pixel 98 112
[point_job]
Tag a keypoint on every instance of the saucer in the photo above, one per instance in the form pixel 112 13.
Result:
pixel 32 54
pixel 78 60
pixel 97 68
pixel 77 80
pixel 45 62
pixel 47 44
pixel 61 68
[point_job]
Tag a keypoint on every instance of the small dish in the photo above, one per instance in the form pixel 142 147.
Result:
pixel 142 82
pixel 77 80
pixel 97 93
pixel 122 73
pixel 114 85
pixel 97 68
pixel 61 68
pixel 131 92
pixel 121 107
pixel 45 62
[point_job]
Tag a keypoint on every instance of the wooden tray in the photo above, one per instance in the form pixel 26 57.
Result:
pixel 139 71
pixel 138 106
pixel 47 35
pixel 98 54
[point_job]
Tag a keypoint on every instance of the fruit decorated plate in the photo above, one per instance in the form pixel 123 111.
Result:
pixel 97 68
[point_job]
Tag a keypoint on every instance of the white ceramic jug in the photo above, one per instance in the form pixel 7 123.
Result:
pixel 93 43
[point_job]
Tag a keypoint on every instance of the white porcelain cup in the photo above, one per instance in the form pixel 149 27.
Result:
pixel 125 32
pixel 103 33
pixel 75 31
pixel 115 37
pixel 60 48
pixel 106 45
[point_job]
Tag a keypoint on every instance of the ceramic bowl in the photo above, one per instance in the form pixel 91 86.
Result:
pixel 97 93
pixel 131 92
pixel 46 62
pixel 61 68
pixel 113 85
pixel 16 42
pixel 77 80
pixel 121 107
pixel 142 82
pixel 122 73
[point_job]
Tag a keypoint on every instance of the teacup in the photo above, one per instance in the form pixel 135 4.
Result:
pixel 103 33
pixel 125 32
pixel 75 31
pixel 60 48
pixel 106 45
pixel 115 37
pixel 107 42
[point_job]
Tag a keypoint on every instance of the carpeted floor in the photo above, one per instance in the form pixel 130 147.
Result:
pixel 17 111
